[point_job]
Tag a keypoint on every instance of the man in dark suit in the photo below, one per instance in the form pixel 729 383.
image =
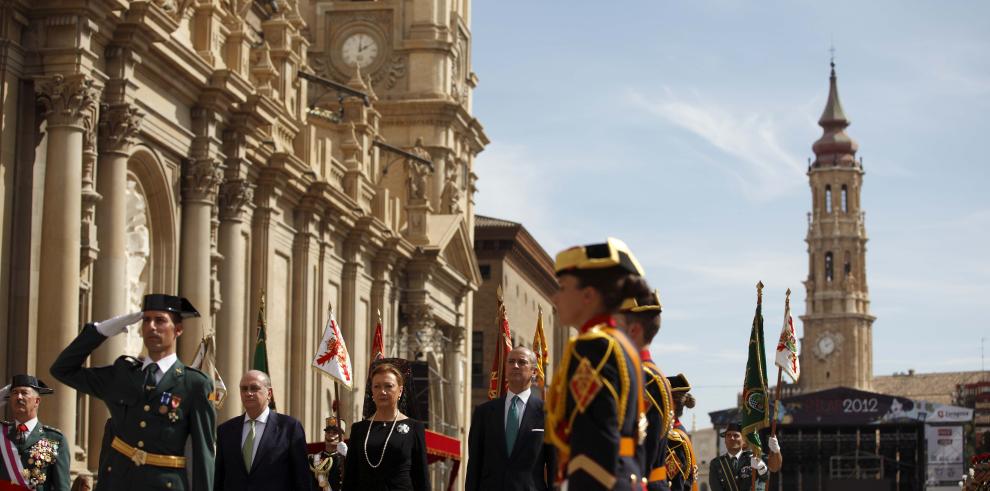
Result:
pixel 505 445
pixel 261 449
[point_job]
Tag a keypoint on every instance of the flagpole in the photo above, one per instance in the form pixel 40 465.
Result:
pixel 780 374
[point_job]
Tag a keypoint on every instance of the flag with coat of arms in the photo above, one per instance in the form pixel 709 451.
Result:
pixel 331 356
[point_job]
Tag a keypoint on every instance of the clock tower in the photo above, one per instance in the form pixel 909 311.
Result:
pixel 838 333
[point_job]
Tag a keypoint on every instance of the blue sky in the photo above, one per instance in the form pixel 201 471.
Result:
pixel 684 128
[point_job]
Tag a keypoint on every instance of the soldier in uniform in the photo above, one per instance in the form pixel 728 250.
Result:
pixel 155 405
pixel 35 456
pixel 640 318
pixel 594 410
pixel 733 470
pixel 682 465
pixel 327 465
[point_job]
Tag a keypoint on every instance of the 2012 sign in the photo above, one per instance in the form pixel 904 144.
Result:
pixel 860 405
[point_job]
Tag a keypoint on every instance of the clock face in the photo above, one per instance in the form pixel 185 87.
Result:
pixel 826 345
pixel 359 50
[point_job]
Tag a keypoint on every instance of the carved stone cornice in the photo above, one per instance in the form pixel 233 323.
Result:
pixel 119 125
pixel 201 181
pixel 236 196
pixel 68 100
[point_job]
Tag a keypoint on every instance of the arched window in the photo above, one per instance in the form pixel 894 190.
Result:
pixel 847 266
pixel 828 199
pixel 845 199
pixel 828 266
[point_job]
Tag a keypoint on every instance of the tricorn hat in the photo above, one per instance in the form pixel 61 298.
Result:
pixel 334 424
pixel 652 304
pixel 734 426
pixel 32 382
pixel 679 383
pixel 612 254
pixel 169 303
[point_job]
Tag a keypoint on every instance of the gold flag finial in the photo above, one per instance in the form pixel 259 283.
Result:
pixel 759 292
pixel 787 299
pixel 498 293
pixel 379 315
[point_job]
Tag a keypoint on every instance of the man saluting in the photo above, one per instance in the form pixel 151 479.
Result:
pixel 155 405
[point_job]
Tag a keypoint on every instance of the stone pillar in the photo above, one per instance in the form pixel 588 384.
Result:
pixel 201 180
pixel 300 382
pixel 68 102
pixel 235 198
pixel 119 124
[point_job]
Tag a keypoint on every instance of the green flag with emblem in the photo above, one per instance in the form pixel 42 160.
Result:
pixel 260 360
pixel 754 401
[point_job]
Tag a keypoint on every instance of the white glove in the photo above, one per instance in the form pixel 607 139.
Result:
pixel 117 325
pixel 4 395
pixel 759 465
pixel 342 449
pixel 774 445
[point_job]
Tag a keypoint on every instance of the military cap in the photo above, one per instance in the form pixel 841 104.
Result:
pixel 679 383
pixel 632 304
pixel 734 426
pixel 169 303
pixel 334 424
pixel 611 254
pixel 32 382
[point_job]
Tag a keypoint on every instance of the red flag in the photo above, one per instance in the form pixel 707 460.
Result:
pixel 498 384
pixel 377 345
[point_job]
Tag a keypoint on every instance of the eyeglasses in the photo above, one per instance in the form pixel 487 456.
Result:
pixel 519 362
pixel 252 388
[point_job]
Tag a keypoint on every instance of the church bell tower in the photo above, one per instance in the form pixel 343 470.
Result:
pixel 838 333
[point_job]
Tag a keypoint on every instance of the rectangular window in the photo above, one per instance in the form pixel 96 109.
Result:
pixel 479 377
pixel 486 271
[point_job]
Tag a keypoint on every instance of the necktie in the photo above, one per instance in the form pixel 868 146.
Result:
pixel 150 380
pixel 248 449
pixel 512 425
pixel 21 435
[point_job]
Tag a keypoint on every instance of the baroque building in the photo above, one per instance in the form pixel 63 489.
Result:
pixel 838 333
pixel 320 153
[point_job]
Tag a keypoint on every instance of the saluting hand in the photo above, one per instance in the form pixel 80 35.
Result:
pixel 4 395
pixel 117 325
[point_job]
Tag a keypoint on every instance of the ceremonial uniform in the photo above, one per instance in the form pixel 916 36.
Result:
pixel 682 465
pixel 33 455
pixel 594 409
pixel 731 473
pixel 659 419
pixel 151 422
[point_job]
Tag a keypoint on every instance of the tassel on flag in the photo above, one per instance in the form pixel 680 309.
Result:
pixel 755 416
pixel 206 362
pixel 377 345
pixel 498 384
pixel 787 347
pixel 332 357
pixel 540 349
pixel 260 360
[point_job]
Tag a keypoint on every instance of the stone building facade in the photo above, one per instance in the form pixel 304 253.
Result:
pixel 222 149
pixel 510 258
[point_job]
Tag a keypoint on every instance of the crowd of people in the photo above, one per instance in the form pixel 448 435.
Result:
pixel 610 421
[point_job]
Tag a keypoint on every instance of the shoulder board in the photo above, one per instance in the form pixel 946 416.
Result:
pixel 51 429
pixel 199 372
pixel 129 361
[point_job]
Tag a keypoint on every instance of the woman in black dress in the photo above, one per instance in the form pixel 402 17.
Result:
pixel 387 452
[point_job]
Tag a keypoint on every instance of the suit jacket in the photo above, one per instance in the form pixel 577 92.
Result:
pixel 158 420
pixel 52 475
pixel 530 466
pixel 280 462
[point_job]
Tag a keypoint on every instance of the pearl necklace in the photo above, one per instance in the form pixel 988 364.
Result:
pixel 384 447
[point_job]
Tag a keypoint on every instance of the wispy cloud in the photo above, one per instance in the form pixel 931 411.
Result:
pixel 752 139
pixel 670 348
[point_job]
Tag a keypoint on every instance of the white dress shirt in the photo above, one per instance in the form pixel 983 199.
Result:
pixel 31 423
pixel 523 398
pixel 163 366
pixel 259 429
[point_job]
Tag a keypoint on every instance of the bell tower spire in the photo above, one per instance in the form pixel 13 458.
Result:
pixel 838 334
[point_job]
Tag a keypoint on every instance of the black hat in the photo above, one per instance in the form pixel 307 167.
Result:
pixel 333 424
pixel 734 426
pixel 32 382
pixel 679 383
pixel 169 303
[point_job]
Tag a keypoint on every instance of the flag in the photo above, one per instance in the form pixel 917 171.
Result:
pixel 498 384
pixel 260 360
pixel 206 362
pixel 787 347
pixel 754 400
pixel 332 357
pixel 377 345
pixel 540 349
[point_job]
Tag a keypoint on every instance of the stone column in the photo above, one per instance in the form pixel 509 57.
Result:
pixel 68 102
pixel 201 180
pixel 119 124
pixel 235 198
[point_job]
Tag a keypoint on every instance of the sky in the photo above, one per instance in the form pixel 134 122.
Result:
pixel 685 128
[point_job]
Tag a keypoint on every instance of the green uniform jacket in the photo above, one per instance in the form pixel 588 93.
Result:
pixel 44 440
pixel 158 421
pixel 728 474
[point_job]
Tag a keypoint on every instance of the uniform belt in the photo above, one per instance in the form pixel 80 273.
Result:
pixel 658 474
pixel 627 446
pixel 140 457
